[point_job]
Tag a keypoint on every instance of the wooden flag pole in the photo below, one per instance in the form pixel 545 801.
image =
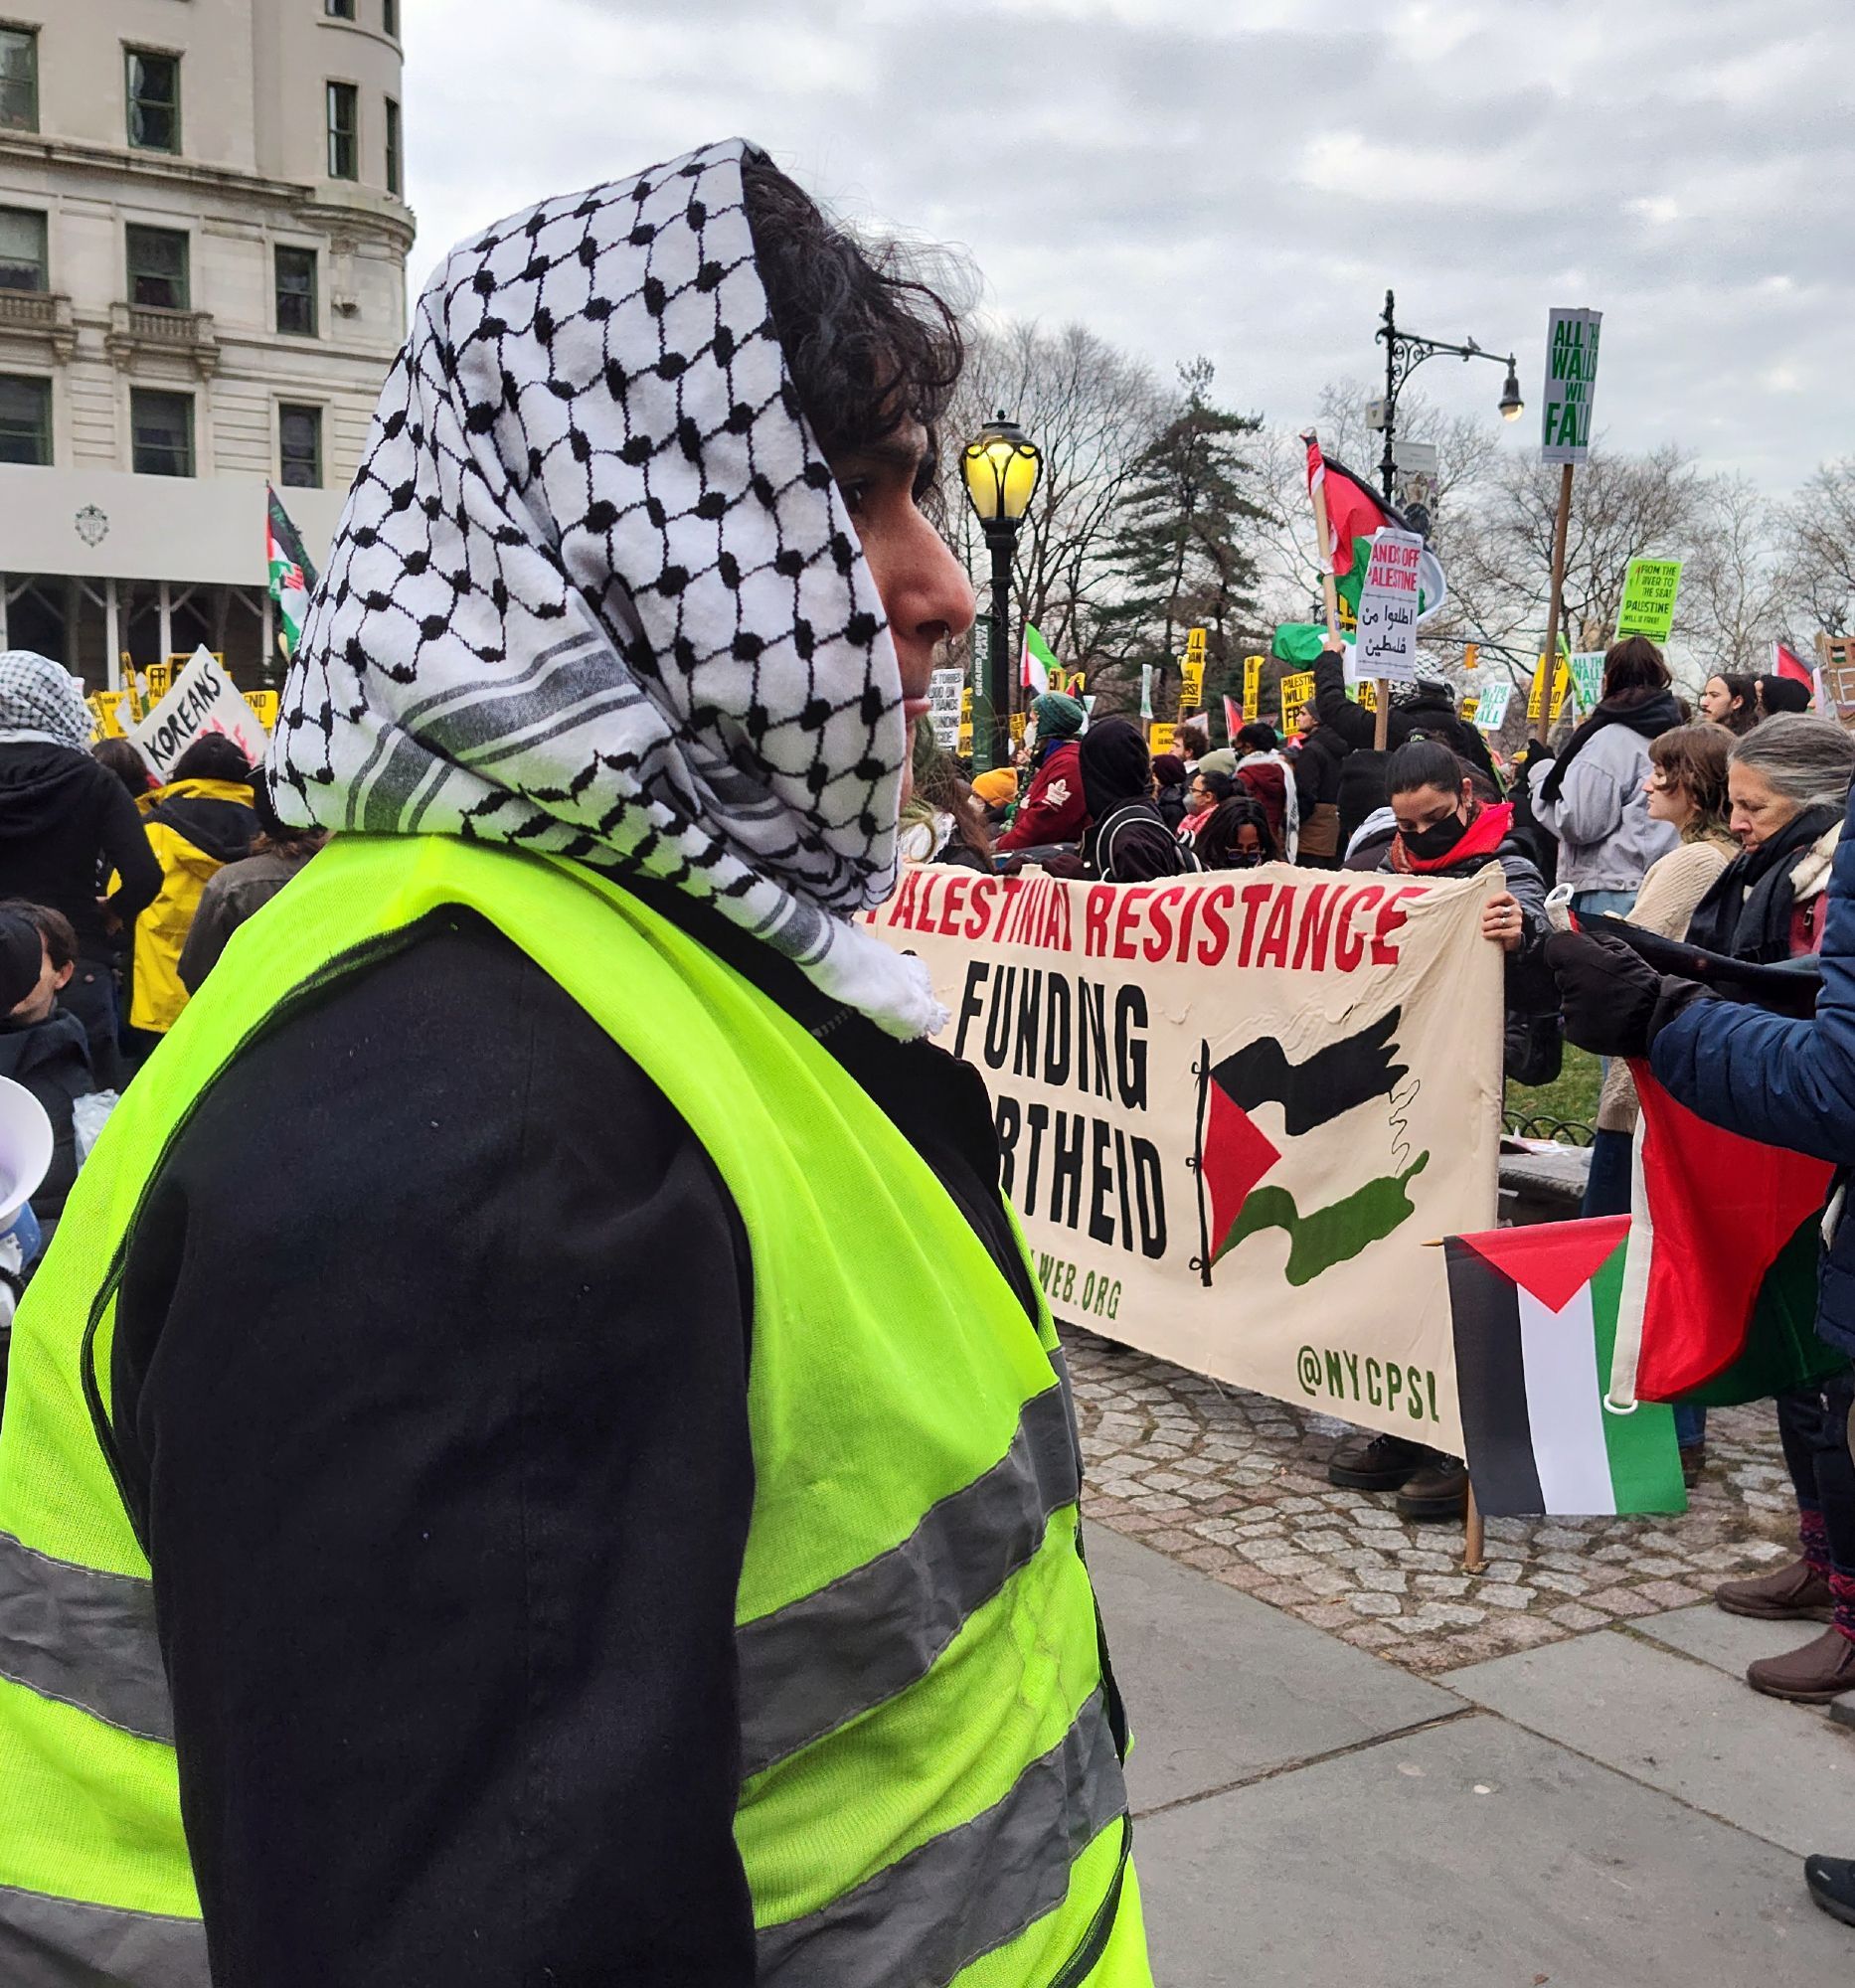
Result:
pixel 1474 1556
pixel 1325 536
pixel 1554 606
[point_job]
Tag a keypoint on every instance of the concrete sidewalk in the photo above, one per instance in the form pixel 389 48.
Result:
pixel 1616 1811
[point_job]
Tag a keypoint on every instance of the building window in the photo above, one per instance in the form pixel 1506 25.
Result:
pixel 161 425
pixel 154 102
pixel 19 79
pixel 22 249
pixel 338 9
pixel 344 124
pixel 296 313
pixel 158 267
pixel 299 446
pixel 396 174
pixel 390 17
pixel 25 421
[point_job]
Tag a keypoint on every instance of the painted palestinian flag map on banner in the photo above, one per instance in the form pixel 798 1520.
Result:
pixel 1535 1312
pixel 1233 1107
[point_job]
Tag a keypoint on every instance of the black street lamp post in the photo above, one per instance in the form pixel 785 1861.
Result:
pixel 1405 351
pixel 1000 470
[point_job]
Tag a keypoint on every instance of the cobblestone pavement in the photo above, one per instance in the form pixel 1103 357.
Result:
pixel 1236 1484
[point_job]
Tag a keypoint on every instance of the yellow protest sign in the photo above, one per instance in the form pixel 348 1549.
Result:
pixel 1561 688
pixel 1298 693
pixel 1195 643
pixel 107 708
pixel 1252 684
pixel 1365 693
pixel 1471 704
pixel 265 703
pixel 1535 694
pixel 1159 738
pixel 1192 680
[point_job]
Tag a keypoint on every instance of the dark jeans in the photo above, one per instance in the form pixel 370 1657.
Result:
pixel 1814 1426
pixel 1607 1192
pixel 91 995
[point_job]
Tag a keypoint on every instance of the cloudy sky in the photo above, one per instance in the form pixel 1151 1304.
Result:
pixel 1249 189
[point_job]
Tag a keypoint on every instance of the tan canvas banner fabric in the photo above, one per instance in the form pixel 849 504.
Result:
pixel 1234 1110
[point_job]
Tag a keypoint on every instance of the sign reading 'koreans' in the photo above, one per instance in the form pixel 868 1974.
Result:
pixel 1388 609
pixel 1571 385
pixel 1233 1109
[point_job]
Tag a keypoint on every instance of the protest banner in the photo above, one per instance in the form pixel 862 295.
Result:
pixel 202 699
pixel 1233 1109
pixel 1160 739
pixel 1253 685
pixel 1296 693
pixel 945 688
pixel 1649 590
pixel 106 711
pixel 1491 705
pixel 1571 385
pixel 1386 649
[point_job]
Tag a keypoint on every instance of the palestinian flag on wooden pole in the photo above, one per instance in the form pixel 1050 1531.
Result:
pixel 1720 1305
pixel 1035 662
pixel 292 577
pixel 1534 1317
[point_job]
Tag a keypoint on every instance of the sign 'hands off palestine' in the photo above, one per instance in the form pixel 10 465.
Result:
pixel 1571 385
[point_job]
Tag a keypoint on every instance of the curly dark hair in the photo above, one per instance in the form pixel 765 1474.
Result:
pixel 1216 842
pixel 868 344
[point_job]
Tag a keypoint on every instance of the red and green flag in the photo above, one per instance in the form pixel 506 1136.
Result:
pixel 1785 662
pixel 1724 1244
pixel 292 577
pixel 1236 1156
pixel 1535 1316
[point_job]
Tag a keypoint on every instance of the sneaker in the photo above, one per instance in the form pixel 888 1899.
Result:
pixel 1438 1491
pixel 1794 1593
pixel 1813 1675
pixel 1832 1885
pixel 1375 1463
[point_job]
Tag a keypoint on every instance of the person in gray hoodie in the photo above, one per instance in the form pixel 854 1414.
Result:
pixel 1591 798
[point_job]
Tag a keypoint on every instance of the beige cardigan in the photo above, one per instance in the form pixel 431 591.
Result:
pixel 1670 894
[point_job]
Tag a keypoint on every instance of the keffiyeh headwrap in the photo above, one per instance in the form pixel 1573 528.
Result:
pixel 41 702
pixel 595 592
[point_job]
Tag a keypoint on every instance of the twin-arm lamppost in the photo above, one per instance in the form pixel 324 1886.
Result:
pixel 1405 351
pixel 1000 470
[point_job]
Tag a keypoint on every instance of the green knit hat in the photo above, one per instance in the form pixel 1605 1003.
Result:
pixel 1056 716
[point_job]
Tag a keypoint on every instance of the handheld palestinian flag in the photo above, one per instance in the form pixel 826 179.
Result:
pixel 1785 662
pixel 292 577
pixel 1236 1156
pixel 1035 662
pixel 1354 514
pixel 1720 1305
pixel 1535 1316
pixel 1233 720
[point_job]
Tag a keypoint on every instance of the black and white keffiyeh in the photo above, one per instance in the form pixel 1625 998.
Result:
pixel 595 592
pixel 41 702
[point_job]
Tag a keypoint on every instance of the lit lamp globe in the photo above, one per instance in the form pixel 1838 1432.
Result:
pixel 1512 405
pixel 1000 470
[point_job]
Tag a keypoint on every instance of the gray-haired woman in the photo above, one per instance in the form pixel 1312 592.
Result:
pixel 1789 783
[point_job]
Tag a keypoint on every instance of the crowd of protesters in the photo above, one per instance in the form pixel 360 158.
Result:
pixel 117 893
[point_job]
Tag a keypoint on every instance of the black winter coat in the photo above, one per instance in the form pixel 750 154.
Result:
pixel 51 1060
pixel 61 814
pixel 1432 711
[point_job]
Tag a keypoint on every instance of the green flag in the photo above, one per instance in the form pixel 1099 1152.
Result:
pixel 292 577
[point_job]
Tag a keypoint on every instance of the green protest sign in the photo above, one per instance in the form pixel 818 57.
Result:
pixel 1588 678
pixel 1650 588
pixel 1571 385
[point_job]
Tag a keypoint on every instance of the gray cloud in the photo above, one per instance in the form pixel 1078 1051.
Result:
pixel 1249 186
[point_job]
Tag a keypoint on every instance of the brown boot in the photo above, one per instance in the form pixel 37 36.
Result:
pixel 1794 1593
pixel 1813 1675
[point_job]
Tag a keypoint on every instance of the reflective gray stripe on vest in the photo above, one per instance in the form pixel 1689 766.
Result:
pixel 810 1667
pixel 64 1944
pixel 85 1638
pixel 962 1894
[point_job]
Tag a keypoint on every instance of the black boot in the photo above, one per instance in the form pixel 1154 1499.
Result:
pixel 1832 1885
pixel 1375 1463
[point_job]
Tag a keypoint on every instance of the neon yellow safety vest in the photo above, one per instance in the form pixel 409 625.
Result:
pixel 933 1790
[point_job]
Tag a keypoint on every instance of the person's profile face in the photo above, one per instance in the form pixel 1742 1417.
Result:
pixel 1716 701
pixel 924 593
pixel 1199 799
pixel 1759 811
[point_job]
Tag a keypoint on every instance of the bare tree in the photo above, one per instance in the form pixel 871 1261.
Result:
pixel 1733 588
pixel 1819 547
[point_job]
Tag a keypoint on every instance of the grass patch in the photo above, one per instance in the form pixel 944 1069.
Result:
pixel 1571 1095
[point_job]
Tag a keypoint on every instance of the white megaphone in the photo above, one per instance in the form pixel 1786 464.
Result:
pixel 25 1148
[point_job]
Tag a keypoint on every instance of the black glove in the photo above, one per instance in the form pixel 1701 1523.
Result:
pixel 1614 1000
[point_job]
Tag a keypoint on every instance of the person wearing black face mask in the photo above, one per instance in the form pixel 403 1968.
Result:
pixel 1446 830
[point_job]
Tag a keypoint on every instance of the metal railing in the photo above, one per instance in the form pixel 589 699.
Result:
pixel 1543 1125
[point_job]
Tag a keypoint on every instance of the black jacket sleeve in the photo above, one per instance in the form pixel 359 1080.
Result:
pixel 126 849
pixel 431 1397
pixel 1349 722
